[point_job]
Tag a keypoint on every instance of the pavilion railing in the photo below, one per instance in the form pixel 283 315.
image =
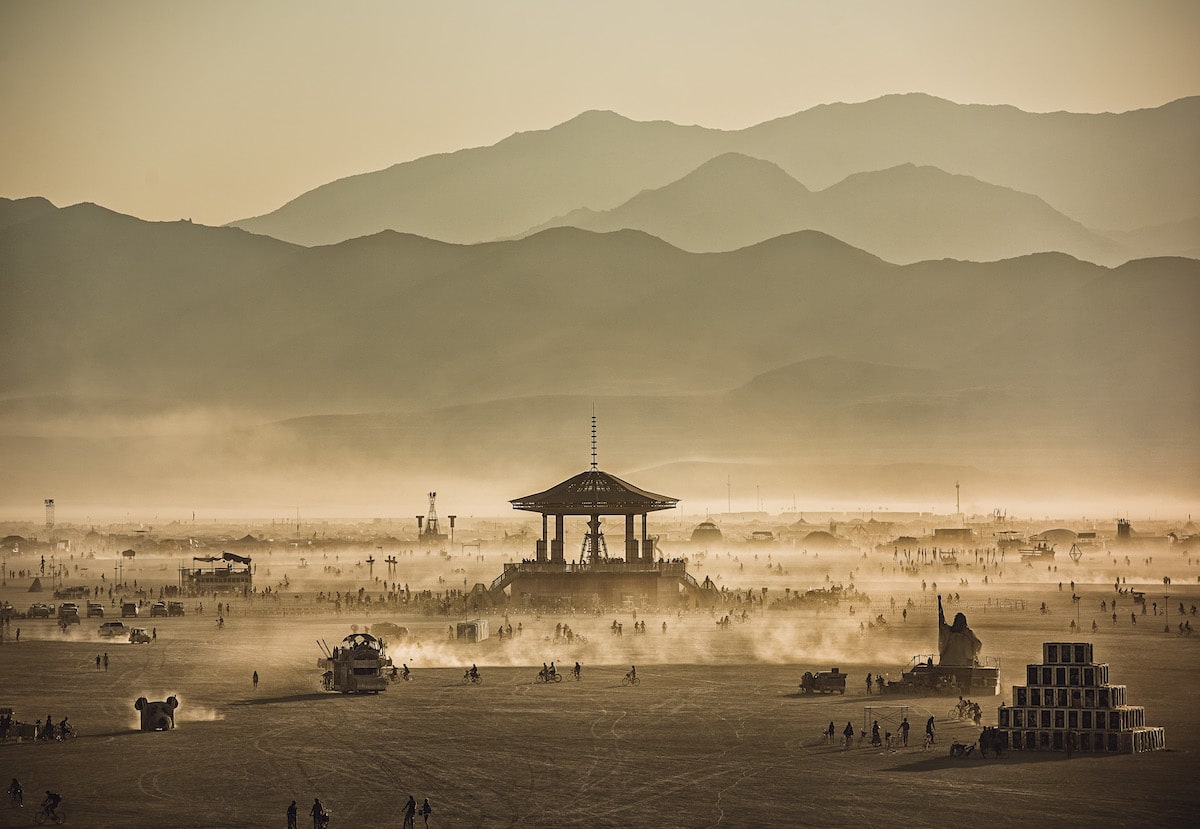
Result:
pixel 674 567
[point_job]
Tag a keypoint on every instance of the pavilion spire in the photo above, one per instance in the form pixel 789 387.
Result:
pixel 593 436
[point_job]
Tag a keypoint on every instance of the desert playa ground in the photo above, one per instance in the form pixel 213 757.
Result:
pixel 716 734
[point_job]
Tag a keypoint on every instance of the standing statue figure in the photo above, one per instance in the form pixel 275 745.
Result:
pixel 958 645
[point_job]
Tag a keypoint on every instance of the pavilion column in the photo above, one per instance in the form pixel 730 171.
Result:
pixel 647 550
pixel 542 545
pixel 631 545
pixel 556 548
pixel 594 535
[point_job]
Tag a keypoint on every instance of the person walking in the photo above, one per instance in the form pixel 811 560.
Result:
pixel 904 726
pixel 255 680
pixel 929 730
pixel 97 662
pixel 318 814
pixel 868 684
pixel 291 816
pixel 410 812
pixel 848 733
pixel 106 661
pixel 426 811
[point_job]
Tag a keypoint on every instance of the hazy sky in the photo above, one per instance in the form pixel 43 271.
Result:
pixel 223 110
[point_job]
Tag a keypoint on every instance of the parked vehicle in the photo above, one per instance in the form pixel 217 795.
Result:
pixel 40 611
pixel 95 609
pixel 175 608
pixel 158 609
pixel 129 609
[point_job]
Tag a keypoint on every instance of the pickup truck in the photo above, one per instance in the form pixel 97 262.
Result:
pixel 114 628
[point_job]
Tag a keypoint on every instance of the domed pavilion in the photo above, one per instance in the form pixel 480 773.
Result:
pixel 596 578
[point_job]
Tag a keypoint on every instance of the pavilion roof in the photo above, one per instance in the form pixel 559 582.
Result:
pixel 594 493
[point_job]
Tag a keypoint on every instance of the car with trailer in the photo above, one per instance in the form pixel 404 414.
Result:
pixel 823 682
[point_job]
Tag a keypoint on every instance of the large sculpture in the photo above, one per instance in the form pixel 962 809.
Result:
pixel 958 646
pixel 157 716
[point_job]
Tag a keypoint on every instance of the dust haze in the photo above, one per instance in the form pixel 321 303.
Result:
pixel 298 301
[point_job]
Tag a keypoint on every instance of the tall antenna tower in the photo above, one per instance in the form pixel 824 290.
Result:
pixel 49 504
pixel 431 520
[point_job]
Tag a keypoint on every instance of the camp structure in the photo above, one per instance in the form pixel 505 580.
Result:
pixel 227 572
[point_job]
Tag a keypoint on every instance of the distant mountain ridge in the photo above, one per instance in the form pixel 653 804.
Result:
pixel 904 214
pixel 216 347
pixel 1109 171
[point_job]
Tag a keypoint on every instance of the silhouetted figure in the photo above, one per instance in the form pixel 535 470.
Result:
pixel 426 811
pixel 410 811
pixel 291 816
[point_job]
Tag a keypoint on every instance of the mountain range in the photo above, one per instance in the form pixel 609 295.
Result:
pixel 213 350
pixel 1123 173
pixel 904 214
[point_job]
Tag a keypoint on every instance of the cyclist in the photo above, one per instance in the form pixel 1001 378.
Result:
pixel 406 672
pixel 578 671
pixel 64 729
pixel 552 670
pixel 474 672
pixel 50 803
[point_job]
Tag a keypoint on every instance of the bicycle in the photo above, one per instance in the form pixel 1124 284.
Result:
pixel 44 815
pixel 546 676
pixel 62 735
pixel 631 679
pixel 469 679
